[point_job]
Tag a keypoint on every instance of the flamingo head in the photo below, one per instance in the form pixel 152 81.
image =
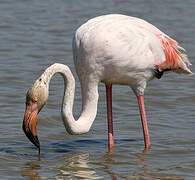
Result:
pixel 35 99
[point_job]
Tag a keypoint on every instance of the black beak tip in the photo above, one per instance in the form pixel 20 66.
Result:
pixel 36 142
pixel 31 137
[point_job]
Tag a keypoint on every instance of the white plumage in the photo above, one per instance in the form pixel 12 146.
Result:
pixel 113 49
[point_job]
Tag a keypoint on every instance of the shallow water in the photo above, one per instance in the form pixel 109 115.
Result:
pixel 35 34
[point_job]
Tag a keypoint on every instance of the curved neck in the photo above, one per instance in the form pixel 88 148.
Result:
pixel 89 99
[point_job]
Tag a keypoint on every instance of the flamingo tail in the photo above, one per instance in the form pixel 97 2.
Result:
pixel 175 60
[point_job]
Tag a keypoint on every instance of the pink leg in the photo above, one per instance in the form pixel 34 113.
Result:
pixel 109 117
pixel 144 121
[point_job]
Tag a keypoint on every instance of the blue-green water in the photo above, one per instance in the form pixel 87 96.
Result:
pixel 35 34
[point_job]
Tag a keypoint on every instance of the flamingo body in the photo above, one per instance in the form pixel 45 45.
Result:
pixel 113 49
pixel 118 49
pixel 114 53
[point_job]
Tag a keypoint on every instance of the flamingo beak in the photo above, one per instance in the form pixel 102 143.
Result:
pixel 30 123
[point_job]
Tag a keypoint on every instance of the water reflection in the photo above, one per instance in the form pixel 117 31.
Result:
pixel 78 166
pixel 142 161
pixel 114 176
pixel 88 166
pixel 30 170
pixel 151 173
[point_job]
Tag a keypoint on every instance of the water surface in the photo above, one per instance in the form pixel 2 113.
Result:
pixel 34 35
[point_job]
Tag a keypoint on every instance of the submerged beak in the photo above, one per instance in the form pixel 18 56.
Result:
pixel 30 123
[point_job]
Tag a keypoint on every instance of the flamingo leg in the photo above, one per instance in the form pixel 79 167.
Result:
pixel 144 122
pixel 109 117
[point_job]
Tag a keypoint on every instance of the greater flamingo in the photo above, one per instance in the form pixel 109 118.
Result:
pixel 113 49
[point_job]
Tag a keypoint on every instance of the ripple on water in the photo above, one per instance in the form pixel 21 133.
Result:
pixel 35 34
